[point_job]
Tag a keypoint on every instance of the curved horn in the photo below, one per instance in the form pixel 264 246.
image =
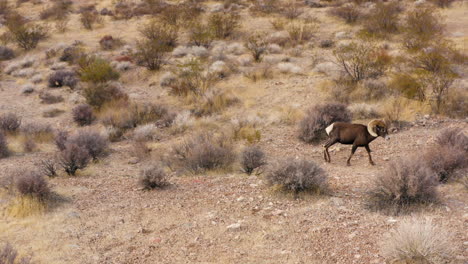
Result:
pixel 372 124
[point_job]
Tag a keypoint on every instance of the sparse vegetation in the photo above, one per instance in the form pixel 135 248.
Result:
pixel 6 53
pixel 63 78
pixel 92 141
pixel 418 241
pixel 32 183
pixel 312 126
pixel 349 13
pixel 257 46
pixel 252 160
pixel 8 254
pixel 223 24
pixel 403 185
pixel 26 35
pixel 9 123
pixel 383 18
pixel 83 114
pixel 99 94
pixel 205 152
pixel 298 176
pixel 89 18
pixel 96 70
pixel 4 151
pixel 152 177
pixel 73 157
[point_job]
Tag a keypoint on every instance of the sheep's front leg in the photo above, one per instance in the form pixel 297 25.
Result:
pixel 350 156
pixel 326 154
pixel 368 153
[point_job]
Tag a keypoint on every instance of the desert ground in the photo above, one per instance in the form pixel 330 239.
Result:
pixel 103 214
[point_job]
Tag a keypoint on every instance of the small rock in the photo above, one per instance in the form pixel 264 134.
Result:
pixel 234 227
pixel 392 220
pixel 386 158
pixel 133 160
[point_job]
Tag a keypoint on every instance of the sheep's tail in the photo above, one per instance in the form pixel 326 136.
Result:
pixel 329 129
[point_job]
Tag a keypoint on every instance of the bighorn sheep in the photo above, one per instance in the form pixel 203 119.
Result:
pixel 354 134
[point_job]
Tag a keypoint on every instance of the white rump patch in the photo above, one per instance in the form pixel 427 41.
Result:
pixel 329 129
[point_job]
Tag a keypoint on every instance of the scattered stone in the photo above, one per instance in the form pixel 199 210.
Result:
pixel 133 160
pixel 234 227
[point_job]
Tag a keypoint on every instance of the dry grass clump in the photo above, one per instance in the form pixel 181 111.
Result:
pixel 265 6
pixel 8 254
pixel 214 101
pixel 300 31
pixel 9 123
pixel 350 13
pixel 41 132
pixel 402 185
pixel 245 130
pixel 191 79
pixel 83 114
pixel 4 151
pixel 48 98
pixel 312 126
pixel 296 176
pixel 252 160
pixel 205 152
pixel 96 70
pixel 6 53
pixel 73 157
pixel 364 111
pixel 63 78
pixel 97 95
pixel 27 35
pixel 418 241
pixel 153 176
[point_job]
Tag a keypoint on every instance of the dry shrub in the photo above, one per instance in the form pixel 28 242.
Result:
pixel 6 53
pixel 418 241
pixel 191 79
pixel 63 78
pixel 48 98
pixel 265 6
pixel 4 7
pixel 163 33
pixel 261 71
pixel 62 25
pixel 48 167
pixel 8 254
pixel 157 114
pixel 421 27
pixel 402 185
pixel 92 141
pixel 408 86
pixel 59 10
pixel 245 130
pixel 109 43
pixel 298 176
pixel 32 183
pixel 29 145
pixel 98 95
pixel 96 70
pixel 89 18
pixel 370 90
pixel 73 158
pixel 383 18
pixel 9 122
pixel 60 139
pixel 71 54
pixel 40 132
pixel 291 9
pixel 450 154
pixel 252 160
pixel 349 13
pixel 443 3
pixel 200 34
pixel 152 54
pixel 214 101
pixel 83 114
pixel 456 104
pixel 257 45
pixel 312 126
pixel 300 31
pixel 362 60
pixel 223 24
pixel 26 35
pixel 205 152
pixel 153 176
pixel 140 149
pixel 364 111
pixel 4 151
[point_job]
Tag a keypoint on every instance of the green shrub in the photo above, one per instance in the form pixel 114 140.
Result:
pixel 99 94
pixel 96 70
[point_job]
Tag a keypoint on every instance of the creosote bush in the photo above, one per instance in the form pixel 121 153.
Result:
pixel 73 157
pixel 312 126
pixel 383 18
pixel 349 13
pixel 83 114
pixel 26 35
pixel 252 160
pixel 32 183
pixel 89 18
pixel 421 25
pixel 205 152
pixel 223 24
pixel 257 46
pixel 100 94
pixel 404 184
pixel 418 241
pixel 59 10
pixel 152 177
pixel 298 176
pixel 96 70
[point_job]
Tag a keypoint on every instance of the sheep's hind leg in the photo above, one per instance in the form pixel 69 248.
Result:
pixel 368 153
pixel 350 156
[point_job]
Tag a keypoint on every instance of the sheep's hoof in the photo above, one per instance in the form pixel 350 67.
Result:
pixel 348 164
pixel 372 163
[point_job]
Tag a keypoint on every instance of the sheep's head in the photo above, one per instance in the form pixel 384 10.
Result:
pixel 377 128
